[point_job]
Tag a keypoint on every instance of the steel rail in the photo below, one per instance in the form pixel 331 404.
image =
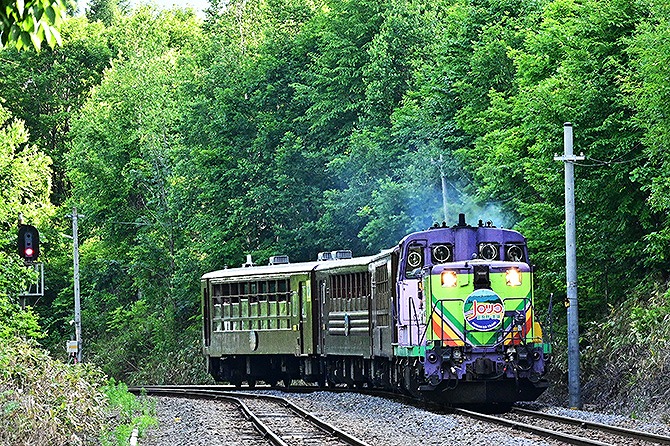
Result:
pixel 236 397
pixel 566 438
pixel 262 429
pixel 625 432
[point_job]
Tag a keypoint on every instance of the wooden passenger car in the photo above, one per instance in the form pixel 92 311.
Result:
pixel 312 321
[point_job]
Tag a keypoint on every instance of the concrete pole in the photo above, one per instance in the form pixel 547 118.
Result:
pixel 77 299
pixel 574 387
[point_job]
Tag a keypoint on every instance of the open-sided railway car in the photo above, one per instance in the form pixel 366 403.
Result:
pixel 447 314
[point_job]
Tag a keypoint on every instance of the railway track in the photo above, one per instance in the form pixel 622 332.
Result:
pixel 278 421
pixel 283 423
pixel 569 430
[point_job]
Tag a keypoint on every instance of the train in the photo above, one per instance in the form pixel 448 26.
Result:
pixel 446 315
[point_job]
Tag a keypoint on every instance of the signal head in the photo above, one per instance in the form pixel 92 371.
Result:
pixel 29 243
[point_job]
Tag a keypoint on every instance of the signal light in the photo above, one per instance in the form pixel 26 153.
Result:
pixel 29 243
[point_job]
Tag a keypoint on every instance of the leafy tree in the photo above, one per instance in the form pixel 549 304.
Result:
pixel 122 167
pixel 648 87
pixel 103 10
pixel 24 188
pixel 46 89
pixel 254 162
pixel 569 70
pixel 459 56
pixel 334 87
pixel 29 23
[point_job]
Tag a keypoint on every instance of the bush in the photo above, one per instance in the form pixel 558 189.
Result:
pixel 626 358
pixel 46 402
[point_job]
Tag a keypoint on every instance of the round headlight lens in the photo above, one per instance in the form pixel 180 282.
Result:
pixel 414 259
pixel 514 253
pixel 488 251
pixel 442 253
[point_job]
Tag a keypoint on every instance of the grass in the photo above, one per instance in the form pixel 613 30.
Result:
pixel 129 411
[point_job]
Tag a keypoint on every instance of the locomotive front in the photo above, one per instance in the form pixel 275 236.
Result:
pixel 481 340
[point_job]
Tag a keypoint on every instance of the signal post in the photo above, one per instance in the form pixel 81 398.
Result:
pixel 28 246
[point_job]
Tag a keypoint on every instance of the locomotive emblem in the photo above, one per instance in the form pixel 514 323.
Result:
pixel 484 310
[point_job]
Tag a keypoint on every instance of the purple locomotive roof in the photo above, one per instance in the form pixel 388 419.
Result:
pixel 465 239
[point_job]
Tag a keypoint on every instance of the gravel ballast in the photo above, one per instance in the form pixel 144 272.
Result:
pixel 194 422
pixel 377 421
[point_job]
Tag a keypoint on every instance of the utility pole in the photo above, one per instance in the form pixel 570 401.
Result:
pixel 569 159
pixel 77 300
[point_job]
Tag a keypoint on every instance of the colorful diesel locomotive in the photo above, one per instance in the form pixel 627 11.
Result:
pixel 447 315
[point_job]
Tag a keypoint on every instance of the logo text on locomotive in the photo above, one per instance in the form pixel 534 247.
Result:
pixel 484 310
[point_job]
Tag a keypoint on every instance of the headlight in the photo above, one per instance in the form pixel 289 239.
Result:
pixel 449 279
pixel 488 251
pixel 514 253
pixel 442 253
pixel 414 258
pixel 513 277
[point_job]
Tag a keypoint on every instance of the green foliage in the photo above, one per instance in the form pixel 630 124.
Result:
pixel 130 412
pixel 651 317
pixel 648 93
pixel 17 321
pixel 124 167
pixel 625 355
pixel 25 172
pixel 46 89
pixel 143 345
pixel 560 79
pixel 29 23
pixel 104 11
pixel 47 402
pixel 24 188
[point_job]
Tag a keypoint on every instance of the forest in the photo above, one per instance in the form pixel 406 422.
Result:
pixel 262 127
